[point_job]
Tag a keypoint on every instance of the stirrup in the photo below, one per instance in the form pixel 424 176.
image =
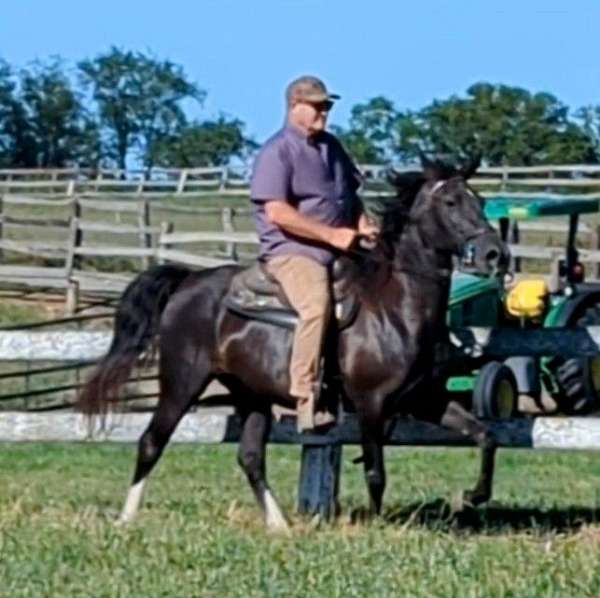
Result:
pixel 307 420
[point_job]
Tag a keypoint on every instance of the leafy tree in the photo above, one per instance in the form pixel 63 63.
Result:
pixel 58 131
pixel 209 143
pixel 6 100
pixel 506 125
pixel 139 100
pixel 378 133
pixel 16 145
pixel 589 116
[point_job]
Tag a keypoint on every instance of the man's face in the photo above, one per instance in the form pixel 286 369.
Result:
pixel 311 116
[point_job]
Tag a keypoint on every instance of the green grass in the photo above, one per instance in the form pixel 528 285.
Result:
pixel 17 312
pixel 199 533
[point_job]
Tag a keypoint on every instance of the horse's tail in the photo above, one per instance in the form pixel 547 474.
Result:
pixel 135 327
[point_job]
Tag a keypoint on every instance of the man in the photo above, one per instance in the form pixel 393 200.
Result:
pixel 304 191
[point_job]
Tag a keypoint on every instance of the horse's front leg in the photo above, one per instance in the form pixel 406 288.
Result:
pixel 458 418
pixel 372 444
pixel 251 457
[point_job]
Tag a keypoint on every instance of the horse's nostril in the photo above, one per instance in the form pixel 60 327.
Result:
pixel 493 255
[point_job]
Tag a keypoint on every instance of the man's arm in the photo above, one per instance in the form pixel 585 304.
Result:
pixel 287 217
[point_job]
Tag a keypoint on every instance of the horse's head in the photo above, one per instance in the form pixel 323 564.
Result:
pixel 449 216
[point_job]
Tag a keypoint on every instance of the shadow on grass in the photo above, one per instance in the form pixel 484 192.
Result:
pixel 493 519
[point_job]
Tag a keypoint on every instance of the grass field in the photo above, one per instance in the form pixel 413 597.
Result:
pixel 199 533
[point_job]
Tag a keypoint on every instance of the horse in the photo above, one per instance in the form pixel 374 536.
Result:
pixel 383 360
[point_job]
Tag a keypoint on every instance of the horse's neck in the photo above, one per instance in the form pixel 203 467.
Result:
pixel 422 274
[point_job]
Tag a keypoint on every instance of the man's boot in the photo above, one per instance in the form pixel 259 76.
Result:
pixel 308 419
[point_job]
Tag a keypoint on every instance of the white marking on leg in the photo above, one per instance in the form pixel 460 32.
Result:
pixel 133 501
pixel 274 517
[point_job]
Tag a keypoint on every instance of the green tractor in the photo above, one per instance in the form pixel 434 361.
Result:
pixel 565 383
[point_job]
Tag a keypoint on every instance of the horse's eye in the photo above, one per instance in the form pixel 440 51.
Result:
pixel 450 202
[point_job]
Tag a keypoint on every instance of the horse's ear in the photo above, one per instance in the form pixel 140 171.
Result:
pixel 430 168
pixel 471 167
pixel 436 170
pixel 405 183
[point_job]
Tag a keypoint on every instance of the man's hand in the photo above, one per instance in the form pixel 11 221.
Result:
pixel 366 228
pixel 343 238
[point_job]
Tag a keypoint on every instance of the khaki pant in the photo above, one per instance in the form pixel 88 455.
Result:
pixel 305 283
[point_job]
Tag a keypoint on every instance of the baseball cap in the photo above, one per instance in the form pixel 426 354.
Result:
pixel 308 89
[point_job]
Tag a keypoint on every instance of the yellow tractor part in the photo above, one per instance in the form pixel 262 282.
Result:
pixel 528 299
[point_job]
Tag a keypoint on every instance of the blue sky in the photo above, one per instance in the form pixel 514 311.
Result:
pixel 244 52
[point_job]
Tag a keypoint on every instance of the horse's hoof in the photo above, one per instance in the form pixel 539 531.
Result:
pixel 362 516
pixel 122 522
pixel 465 501
pixel 279 527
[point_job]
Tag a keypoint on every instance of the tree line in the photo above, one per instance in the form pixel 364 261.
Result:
pixel 123 106
pixel 504 124
pixel 119 106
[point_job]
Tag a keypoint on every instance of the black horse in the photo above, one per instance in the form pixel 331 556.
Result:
pixel 384 360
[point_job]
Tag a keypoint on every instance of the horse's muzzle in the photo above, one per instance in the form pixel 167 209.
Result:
pixel 485 255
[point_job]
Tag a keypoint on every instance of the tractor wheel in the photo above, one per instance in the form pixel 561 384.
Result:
pixel 578 378
pixel 495 394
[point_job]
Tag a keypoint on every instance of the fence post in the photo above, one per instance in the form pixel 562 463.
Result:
pixel 144 225
pixel 504 184
pixel 224 178
pixel 74 241
pixel 182 180
pixel 166 228
pixel 1 223
pixel 319 483
pixel 595 244
pixel 555 274
pixel 227 215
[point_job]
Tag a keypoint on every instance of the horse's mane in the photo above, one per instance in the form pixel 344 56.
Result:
pixel 392 212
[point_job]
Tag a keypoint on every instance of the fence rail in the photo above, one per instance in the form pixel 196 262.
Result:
pixel 232 181
pixel 54 251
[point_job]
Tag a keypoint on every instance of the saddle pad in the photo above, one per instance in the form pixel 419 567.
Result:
pixel 254 294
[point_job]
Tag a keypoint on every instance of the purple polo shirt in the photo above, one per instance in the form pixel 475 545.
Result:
pixel 315 175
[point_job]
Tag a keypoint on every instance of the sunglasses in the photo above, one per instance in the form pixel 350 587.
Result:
pixel 324 106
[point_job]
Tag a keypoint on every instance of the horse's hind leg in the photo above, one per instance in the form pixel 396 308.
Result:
pixel 251 457
pixel 374 466
pixel 458 418
pixel 178 391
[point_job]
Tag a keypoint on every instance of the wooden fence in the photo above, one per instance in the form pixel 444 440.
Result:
pixel 227 181
pixel 78 249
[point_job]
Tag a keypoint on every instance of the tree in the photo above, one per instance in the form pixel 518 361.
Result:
pixel 589 116
pixel 506 125
pixel 58 131
pixel 379 133
pixel 6 100
pixel 209 143
pixel 16 146
pixel 139 100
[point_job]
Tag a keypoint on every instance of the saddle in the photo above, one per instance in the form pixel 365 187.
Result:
pixel 256 295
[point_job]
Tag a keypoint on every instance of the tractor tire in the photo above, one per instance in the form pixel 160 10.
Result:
pixel 495 394
pixel 578 378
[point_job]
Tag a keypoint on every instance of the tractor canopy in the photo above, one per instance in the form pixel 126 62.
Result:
pixel 524 208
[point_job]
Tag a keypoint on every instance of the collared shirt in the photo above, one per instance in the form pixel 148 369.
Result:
pixel 315 175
